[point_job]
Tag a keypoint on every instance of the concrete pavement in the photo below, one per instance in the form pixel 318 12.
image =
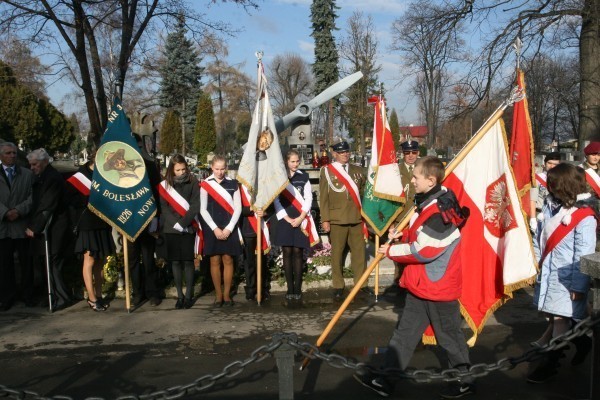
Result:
pixel 79 353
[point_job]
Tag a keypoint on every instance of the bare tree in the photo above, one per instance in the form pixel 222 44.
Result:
pixel 71 29
pixel 552 25
pixel 290 80
pixel 233 94
pixel 427 52
pixel 27 68
pixel 358 52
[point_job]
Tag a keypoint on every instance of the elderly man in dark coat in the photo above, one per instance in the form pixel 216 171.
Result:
pixel 49 201
pixel 15 205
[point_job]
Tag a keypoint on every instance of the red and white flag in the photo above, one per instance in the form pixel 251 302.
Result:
pixel 497 255
pixel 521 147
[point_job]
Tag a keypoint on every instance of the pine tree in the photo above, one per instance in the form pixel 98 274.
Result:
pixel 325 68
pixel 323 16
pixel 181 74
pixel 170 133
pixel 205 133
pixel 395 127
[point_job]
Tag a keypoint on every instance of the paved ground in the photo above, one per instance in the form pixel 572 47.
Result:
pixel 79 353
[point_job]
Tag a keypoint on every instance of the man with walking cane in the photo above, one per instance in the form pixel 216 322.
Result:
pixel 49 217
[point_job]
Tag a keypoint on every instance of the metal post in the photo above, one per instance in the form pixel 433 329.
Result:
pixel 590 265
pixel 285 364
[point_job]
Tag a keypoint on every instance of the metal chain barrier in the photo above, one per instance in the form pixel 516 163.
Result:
pixel 337 361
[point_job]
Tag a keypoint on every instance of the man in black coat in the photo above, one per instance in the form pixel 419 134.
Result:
pixel 15 205
pixel 49 201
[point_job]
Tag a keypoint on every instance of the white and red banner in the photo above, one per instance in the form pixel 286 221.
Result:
pixel 497 254
pixel 521 146
pixel 384 195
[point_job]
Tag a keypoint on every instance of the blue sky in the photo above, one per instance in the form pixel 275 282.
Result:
pixel 282 26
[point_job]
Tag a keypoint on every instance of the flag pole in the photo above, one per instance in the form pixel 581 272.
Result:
pixel 126 267
pixel 259 260
pixel 514 96
pixel 376 269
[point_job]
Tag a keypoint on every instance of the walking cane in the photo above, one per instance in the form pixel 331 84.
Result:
pixel 47 251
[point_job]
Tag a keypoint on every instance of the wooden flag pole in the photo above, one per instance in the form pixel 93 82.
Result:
pixel 259 260
pixel 451 166
pixel 126 268
pixel 376 269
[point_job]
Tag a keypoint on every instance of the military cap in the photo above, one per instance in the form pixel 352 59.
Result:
pixel 410 145
pixel 342 145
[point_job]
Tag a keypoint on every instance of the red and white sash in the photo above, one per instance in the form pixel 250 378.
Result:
pixel 556 231
pixel 265 239
pixel 592 178
pixel 81 183
pixel 342 176
pixel 181 207
pixel 308 224
pixel 346 180
pixel 221 196
pixel 541 179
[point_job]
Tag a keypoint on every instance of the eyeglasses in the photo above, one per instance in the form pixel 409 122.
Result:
pixel 414 152
pixel 343 151
pixel 10 152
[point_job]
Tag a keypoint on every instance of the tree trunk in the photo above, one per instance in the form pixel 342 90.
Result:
pixel 330 122
pixel 589 54
pixel 183 128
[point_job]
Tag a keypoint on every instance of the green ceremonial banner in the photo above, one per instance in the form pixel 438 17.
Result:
pixel 383 197
pixel 120 193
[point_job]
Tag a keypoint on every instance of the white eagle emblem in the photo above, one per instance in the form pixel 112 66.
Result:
pixel 498 212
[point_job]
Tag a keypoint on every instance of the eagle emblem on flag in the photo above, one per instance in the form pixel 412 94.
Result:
pixel 499 214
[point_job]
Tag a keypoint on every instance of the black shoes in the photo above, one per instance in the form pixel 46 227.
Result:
pixel 542 373
pixel 179 304
pixel 155 301
pixel 456 390
pixel 377 384
pixel 583 345
pixel 338 294
pixel 138 301
pixel 188 303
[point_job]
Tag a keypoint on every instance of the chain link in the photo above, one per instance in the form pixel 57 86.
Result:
pixel 337 361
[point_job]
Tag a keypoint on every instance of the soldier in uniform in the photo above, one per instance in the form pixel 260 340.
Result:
pixel 410 151
pixel 341 185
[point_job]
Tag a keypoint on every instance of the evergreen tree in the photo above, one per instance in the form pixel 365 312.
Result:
pixel 205 134
pixel 170 133
pixel 325 69
pixel 31 120
pixel 181 74
pixel 395 127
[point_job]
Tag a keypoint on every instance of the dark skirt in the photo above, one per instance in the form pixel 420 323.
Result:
pixel 214 246
pixel 179 247
pixel 98 242
pixel 287 235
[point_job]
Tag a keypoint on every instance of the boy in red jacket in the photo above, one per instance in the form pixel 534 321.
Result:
pixel 430 249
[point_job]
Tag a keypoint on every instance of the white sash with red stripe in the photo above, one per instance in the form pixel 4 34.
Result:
pixel 181 207
pixel 541 179
pixel 308 224
pixel 81 183
pixel 253 219
pixel 221 196
pixel 342 176
pixel 592 178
